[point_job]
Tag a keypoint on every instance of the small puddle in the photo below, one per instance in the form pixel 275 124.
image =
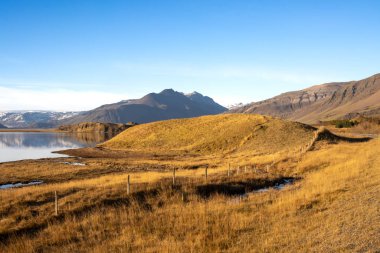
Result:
pixel 277 186
pixel 16 185
pixel 74 163
pixel 243 189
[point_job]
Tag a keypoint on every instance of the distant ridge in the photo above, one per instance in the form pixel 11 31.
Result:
pixel 322 102
pixel 168 104
pixel 33 119
pixel 2 126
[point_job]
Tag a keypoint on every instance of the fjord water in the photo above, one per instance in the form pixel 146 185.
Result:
pixel 16 146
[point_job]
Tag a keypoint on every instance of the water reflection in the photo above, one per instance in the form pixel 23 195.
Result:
pixel 92 138
pixel 25 145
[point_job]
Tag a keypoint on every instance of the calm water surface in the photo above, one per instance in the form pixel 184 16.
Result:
pixel 16 146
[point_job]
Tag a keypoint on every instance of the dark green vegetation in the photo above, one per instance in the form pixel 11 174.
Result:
pixel 342 123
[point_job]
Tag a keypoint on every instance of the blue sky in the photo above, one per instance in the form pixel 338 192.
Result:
pixel 78 54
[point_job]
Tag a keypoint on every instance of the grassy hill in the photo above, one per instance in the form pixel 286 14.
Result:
pixel 220 134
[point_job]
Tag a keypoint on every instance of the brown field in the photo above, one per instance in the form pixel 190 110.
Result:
pixel 369 126
pixel 333 205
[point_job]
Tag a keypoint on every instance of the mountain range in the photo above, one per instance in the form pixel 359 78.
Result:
pixel 340 100
pixel 33 119
pixel 168 104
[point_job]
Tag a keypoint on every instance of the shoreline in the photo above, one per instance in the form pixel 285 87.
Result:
pixel 30 130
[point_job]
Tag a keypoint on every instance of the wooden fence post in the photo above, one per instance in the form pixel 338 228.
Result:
pixel 206 173
pixel 56 203
pixel 184 197
pixel 245 169
pixel 174 177
pixel 229 170
pixel 129 185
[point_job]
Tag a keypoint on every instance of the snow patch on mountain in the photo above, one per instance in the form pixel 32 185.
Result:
pixel 25 119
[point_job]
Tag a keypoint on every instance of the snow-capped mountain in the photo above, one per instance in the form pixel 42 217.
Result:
pixel 234 106
pixel 33 119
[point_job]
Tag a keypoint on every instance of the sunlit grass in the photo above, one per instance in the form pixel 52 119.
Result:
pixel 332 208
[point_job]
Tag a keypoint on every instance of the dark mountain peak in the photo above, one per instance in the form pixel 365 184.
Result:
pixel 206 101
pixel 169 92
pixel 194 94
pixel 168 104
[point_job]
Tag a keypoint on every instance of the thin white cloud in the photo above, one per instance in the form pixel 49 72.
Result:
pixel 55 99
pixel 30 95
pixel 30 84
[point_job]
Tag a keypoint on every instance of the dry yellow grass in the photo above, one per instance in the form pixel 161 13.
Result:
pixel 334 207
pixel 222 134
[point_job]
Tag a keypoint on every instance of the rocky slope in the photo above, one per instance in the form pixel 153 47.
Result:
pixel 322 102
pixel 167 104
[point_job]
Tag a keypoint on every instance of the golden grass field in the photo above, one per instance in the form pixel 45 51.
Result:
pixel 222 134
pixel 333 206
